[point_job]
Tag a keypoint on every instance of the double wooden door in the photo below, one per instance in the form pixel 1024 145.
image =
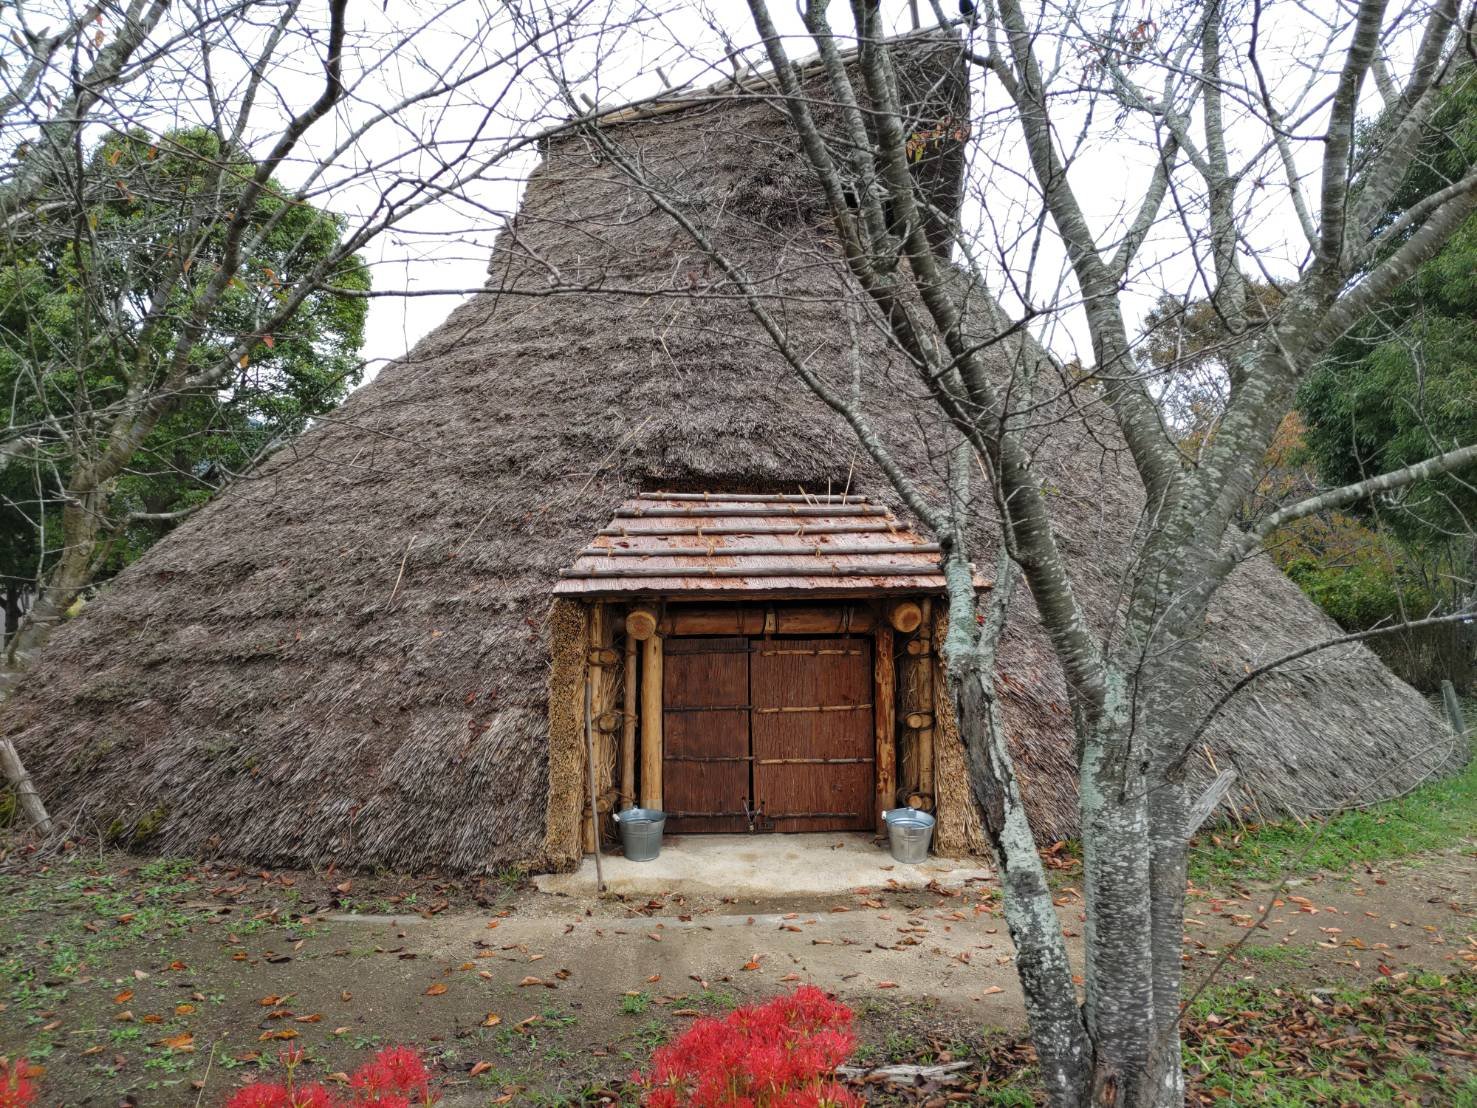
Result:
pixel 768 734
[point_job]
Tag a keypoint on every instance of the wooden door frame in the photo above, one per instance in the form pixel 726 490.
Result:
pixel 884 681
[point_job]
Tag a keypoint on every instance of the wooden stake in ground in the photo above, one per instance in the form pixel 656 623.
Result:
pixel 26 796
pixel 1453 709
pixel 590 778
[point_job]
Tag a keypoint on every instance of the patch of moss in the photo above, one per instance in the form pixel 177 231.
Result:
pixel 148 825
pixel 89 756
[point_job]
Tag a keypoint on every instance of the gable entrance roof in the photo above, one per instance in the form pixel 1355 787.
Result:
pixel 701 544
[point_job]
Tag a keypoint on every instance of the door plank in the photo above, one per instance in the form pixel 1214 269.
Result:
pixel 705 733
pixel 812 728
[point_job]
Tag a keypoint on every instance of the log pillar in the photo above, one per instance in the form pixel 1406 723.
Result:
pixel 883 712
pixel 600 674
pixel 926 708
pixel 651 722
pixel 628 727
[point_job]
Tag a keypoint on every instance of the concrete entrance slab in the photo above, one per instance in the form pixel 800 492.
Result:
pixel 758 866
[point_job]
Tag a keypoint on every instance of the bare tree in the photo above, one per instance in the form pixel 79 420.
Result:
pixel 1227 151
pixel 263 109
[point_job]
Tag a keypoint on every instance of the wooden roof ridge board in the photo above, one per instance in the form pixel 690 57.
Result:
pixel 701 543
pixel 764 498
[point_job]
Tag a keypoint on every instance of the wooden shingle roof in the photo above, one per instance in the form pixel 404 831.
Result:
pixel 699 544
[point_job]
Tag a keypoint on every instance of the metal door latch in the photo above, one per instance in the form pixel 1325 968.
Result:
pixel 758 821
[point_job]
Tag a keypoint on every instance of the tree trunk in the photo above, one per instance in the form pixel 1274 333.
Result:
pixel 81 526
pixel 1057 1030
pixel 1116 889
pixel 12 610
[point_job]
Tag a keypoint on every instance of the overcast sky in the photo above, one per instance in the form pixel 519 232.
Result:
pixel 447 244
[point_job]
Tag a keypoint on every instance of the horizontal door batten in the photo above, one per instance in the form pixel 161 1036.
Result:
pixel 818 708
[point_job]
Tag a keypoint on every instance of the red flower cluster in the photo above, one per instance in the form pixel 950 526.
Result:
pixel 396 1078
pixel 16 1089
pixel 782 1054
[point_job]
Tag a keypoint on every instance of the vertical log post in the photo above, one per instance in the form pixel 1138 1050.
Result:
pixel 607 719
pixel 926 704
pixel 884 691
pixel 651 722
pixel 590 831
pixel 628 728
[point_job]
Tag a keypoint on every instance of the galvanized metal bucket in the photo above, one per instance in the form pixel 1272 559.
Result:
pixel 641 832
pixel 909 833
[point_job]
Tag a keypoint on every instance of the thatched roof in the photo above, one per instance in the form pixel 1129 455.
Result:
pixel 346 658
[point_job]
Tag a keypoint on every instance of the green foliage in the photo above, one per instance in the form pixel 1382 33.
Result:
pixel 94 315
pixel 1359 584
pixel 1436 816
pixel 1403 385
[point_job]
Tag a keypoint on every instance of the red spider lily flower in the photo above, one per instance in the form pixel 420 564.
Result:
pixel 16 1089
pixel 782 1054
pixel 394 1077
pixel 406 1071
pixel 312 1096
pixel 260 1094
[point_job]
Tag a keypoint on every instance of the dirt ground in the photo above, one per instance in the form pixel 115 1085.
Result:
pixel 168 982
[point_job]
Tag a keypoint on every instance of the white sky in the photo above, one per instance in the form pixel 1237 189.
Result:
pixel 411 44
pixel 1110 168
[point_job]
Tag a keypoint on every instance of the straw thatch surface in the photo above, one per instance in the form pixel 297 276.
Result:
pixel 348 657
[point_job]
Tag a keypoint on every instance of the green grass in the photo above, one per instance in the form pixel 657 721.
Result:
pixel 636 1003
pixel 1436 816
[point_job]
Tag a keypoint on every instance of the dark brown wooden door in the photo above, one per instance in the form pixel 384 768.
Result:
pixel 705 734
pixel 812 733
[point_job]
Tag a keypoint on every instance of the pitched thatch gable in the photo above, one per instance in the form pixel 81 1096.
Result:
pixel 348 657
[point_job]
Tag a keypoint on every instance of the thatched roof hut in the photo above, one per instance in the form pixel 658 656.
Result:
pixel 357 656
